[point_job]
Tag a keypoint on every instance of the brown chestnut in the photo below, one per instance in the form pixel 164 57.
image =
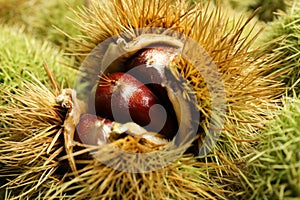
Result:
pixel 121 97
pixel 148 65
pixel 93 130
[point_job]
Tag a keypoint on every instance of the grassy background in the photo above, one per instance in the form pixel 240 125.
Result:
pixel 20 52
pixel 274 167
pixel 39 17
pixel 29 39
pixel 287 26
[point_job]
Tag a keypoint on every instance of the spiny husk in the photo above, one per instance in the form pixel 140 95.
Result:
pixel 217 176
pixel 274 166
pixel 249 93
pixel 34 162
pixel 30 128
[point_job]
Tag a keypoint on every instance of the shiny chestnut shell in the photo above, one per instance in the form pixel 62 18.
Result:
pixel 121 97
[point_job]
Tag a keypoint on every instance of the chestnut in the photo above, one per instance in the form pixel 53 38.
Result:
pixel 93 130
pixel 121 97
pixel 148 65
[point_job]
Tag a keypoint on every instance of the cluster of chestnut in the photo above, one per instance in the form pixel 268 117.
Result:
pixel 134 102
